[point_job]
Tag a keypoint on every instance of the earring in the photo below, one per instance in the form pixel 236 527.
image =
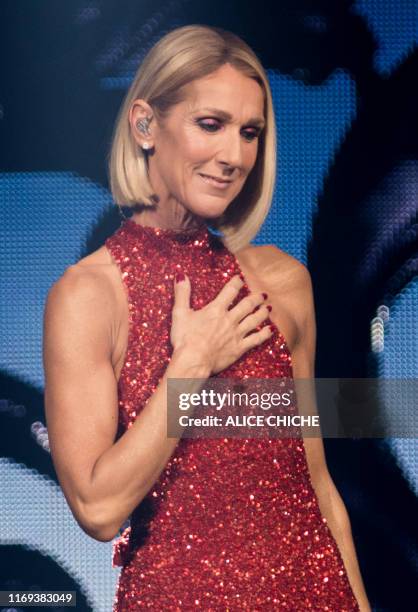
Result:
pixel 145 145
pixel 143 124
pixel 121 212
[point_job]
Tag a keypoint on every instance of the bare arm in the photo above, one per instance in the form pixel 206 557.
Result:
pixel 331 504
pixel 103 480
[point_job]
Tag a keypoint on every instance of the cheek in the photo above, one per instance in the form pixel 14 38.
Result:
pixel 197 148
pixel 195 145
pixel 252 154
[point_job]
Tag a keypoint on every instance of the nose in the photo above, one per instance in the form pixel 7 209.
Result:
pixel 230 152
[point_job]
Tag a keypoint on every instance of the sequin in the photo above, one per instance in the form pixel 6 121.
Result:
pixel 230 524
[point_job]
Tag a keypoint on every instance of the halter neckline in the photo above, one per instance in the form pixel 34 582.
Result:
pixel 168 235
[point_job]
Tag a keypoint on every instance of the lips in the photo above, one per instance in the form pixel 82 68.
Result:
pixel 215 178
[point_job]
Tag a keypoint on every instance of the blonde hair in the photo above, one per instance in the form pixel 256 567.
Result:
pixel 181 56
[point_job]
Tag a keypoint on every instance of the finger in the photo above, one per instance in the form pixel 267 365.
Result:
pixel 257 338
pixel 253 320
pixel 229 291
pixel 182 289
pixel 246 306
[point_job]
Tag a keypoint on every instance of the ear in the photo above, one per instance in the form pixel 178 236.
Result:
pixel 141 110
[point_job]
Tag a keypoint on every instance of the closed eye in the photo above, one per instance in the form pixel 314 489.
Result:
pixel 213 125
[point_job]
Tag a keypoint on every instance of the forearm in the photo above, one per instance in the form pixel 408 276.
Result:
pixel 333 509
pixel 124 474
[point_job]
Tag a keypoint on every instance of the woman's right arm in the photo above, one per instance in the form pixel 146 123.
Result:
pixel 103 480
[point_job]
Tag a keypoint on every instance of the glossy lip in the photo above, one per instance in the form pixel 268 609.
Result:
pixel 215 181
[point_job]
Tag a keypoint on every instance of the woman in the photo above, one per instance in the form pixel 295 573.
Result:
pixel 223 524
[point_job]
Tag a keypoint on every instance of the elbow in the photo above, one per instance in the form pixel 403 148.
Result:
pixel 101 533
pixel 97 523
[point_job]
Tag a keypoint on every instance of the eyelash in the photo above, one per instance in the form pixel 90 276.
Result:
pixel 205 126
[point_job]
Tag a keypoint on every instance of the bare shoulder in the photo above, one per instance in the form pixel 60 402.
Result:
pixel 286 281
pixel 276 268
pixel 85 288
pixel 89 276
pixel 90 296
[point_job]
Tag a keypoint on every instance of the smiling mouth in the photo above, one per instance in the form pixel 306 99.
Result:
pixel 214 179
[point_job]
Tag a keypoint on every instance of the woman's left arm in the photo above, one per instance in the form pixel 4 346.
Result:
pixel 330 502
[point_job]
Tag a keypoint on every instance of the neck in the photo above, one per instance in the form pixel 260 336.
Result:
pixel 173 220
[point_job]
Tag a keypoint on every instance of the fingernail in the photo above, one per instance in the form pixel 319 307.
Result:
pixel 265 296
pixel 272 328
pixel 269 308
pixel 180 277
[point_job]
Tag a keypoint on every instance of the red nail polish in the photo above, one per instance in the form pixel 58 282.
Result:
pixel 265 296
pixel 180 277
pixel 269 308
pixel 273 328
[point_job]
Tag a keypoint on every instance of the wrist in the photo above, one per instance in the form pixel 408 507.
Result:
pixel 188 363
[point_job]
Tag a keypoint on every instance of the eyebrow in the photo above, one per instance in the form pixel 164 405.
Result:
pixel 259 121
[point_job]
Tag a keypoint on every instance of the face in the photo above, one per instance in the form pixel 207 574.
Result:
pixel 214 132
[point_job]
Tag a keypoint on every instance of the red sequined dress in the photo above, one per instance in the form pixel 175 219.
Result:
pixel 231 524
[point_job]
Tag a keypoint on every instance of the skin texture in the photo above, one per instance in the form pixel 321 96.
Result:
pixel 105 481
pixel 183 147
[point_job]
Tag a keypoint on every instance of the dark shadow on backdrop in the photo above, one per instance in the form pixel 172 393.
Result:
pixel 22 569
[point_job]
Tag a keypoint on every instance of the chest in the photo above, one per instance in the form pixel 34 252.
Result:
pixel 280 315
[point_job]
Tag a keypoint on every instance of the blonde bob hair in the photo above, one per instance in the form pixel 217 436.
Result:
pixel 181 56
